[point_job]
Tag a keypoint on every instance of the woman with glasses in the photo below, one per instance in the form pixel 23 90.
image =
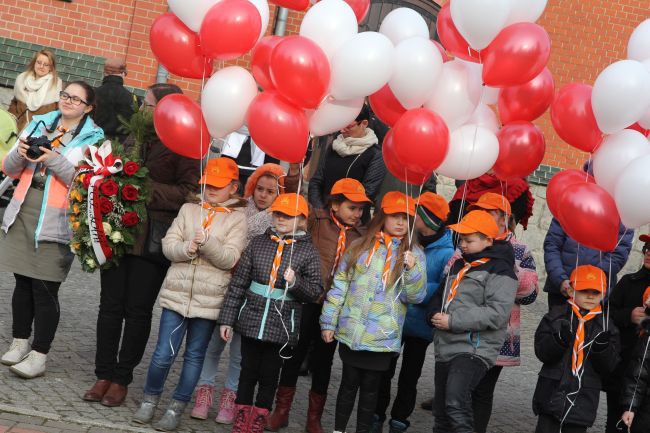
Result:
pixel 36 90
pixel 35 228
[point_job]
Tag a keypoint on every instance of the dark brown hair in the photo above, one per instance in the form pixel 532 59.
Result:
pixel 160 90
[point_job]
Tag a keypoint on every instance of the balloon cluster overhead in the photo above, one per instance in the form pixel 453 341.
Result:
pixel 611 121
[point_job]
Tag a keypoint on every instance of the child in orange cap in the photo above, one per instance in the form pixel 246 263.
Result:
pixel 277 273
pixel 333 229
pixel 471 317
pixel 578 346
pixel 380 274
pixel 203 244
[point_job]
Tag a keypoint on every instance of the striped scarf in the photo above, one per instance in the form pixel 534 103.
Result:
pixel 577 359
pixel 277 259
pixel 212 211
pixel 454 285
pixel 389 255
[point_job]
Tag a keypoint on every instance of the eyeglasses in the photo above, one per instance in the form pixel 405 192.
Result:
pixel 645 249
pixel 74 100
pixel 43 64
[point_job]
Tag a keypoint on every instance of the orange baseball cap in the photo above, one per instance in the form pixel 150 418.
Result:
pixel 646 295
pixel 352 189
pixel 435 204
pixel 291 204
pixel 588 277
pixel 492 201
pixel 477 221
pixel 219 172
pixel 396 202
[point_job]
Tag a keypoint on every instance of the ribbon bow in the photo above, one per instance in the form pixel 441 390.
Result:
pixel 102 161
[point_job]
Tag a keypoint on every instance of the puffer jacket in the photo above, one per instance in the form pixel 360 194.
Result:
pixel 556 382
pixel 53 224
pixel 479 314
pixel 263 318
pixel 361 313
pixel 195 285
pixel 437 255
pixel 636 385
pixel 560 252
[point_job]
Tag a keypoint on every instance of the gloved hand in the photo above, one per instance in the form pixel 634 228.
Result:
pixel 601 342
pixel 563 334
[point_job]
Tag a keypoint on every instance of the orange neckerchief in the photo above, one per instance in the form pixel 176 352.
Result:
pixel 277 259
pixel 454 285
pixel 56 142
pixel 212 211
pixel 340 244
pixel 388 239
pixel 579 342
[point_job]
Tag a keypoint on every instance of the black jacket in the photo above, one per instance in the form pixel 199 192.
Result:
pixel 249 313
pixel 556 384
pixel 636 386
pixel 113 100
pixel 626 296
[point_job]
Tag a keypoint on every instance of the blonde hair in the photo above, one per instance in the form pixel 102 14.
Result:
pixel 31 67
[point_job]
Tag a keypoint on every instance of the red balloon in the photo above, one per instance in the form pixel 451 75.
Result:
pixel 517 55
pixel 443 52
pixel 588 215
pixel 451 38
pixel 559 183
pixel 528 101
pixel 421 140
pixel 180 126
pixel 230 29
pixel 296 5
pixel 573 118
pixel 278 127
pixel 386 106
pixel 395 167
pixel 521 150
pixel 300 71
pixel 360 8
pixel 261 60
pixel 177 48
pixel 641 129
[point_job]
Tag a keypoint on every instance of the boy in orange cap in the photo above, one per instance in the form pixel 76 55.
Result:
pixel 471 317
pixel 578 346
pixel 332 229
pixel 278 272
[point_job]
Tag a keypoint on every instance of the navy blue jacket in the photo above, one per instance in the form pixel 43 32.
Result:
pixel 560 252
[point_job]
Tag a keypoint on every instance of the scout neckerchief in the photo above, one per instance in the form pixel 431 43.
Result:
pixel 454 286
pixel 579 342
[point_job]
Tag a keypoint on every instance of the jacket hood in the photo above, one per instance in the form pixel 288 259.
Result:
pixel 500 250
pixel 300 236
pixel 442 242
pixel 90 131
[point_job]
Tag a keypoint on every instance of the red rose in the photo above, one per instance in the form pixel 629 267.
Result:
pixel 131 168
pixel 109 188
pixel 105 205
pixel 129 192
pixel 130 219
pixel 86 180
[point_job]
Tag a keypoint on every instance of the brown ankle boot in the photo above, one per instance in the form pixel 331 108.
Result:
pixel 96 393
pixel 315 412
pixel 280 416
pixel 115 395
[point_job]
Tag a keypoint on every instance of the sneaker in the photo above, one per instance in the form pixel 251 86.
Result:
pixel 203 402
pixel 17 351
pixel 32 365
pixel 226 413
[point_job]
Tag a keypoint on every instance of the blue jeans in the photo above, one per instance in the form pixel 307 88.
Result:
pixel 173 327
pixel 213 356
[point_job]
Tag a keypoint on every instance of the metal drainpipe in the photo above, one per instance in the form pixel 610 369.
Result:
pixel 161 74
pixel 281 21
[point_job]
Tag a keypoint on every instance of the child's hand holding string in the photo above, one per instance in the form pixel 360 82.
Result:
pixel 409 260
pixel 290 277
pixel 328 336
pixel 627 418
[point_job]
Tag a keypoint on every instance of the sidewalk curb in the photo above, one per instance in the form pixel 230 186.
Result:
pixel 80 421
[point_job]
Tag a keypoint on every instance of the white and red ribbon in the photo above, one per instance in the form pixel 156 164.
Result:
pixel 102 163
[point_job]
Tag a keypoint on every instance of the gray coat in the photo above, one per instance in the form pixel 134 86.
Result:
pixel 251 314
pixel 480 311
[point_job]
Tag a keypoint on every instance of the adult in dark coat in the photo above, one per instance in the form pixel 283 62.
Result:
pixel 129 291
pixel 636 387
pixel 113 100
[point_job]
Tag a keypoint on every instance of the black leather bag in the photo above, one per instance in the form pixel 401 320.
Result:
pixel 153 249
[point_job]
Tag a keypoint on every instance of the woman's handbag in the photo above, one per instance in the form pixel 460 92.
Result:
pixel 153 250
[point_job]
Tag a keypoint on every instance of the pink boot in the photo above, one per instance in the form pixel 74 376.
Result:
pixel 203 402
pixel 242 421
pixel 226 407
pixel 258 419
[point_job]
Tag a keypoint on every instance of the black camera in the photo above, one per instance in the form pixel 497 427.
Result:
pixel 35 143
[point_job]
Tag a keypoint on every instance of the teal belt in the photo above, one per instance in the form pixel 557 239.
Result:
pixel 263 290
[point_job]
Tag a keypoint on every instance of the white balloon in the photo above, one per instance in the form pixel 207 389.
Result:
pixel 226 98
pixel 191 12
pixel 485 117
pixel 332 115
pixel 526 11
pixel 417 65
pixel 621 95
pixel 490 95
pixel 329 23
pixel 263 8
pixel 479 21
pixel 644 121
pixel 615 153
pixel 638 47
pixel 403 23
pixel 456 94
pixel 362 66
pixel 632 194
pixel 473 150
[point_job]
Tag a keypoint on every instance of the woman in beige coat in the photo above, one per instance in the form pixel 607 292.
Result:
pixel 203 243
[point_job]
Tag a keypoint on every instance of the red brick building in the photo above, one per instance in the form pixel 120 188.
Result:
pixel 586 35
